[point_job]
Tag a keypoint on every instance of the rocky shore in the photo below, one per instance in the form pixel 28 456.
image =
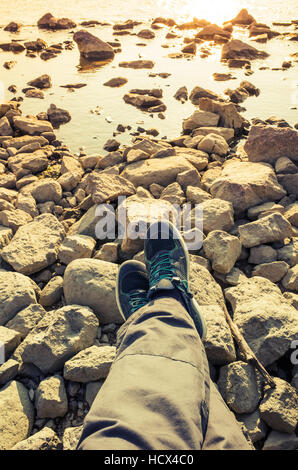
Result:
pixel 58 315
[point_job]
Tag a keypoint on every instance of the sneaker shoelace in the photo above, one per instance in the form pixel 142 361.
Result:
pixel 137 300
pixel 162 267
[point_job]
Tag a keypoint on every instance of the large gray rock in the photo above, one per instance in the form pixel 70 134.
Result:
pixel 269 229
pixel 58 336
pixel 90 365
pixel 219 344
pixel 74 247
pixel 264 317
pixel 86 225
pixel 156 170
pixel 17 415
pixel 246 184
pixel 35 245
pixel 240 387
pixel 92 282
pixel 268 143
pixel 16 293
pixel 279 407
pixel 93 48
pixel 46 439
pixel 50 398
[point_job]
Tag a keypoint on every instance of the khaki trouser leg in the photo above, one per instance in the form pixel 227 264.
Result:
pixel 157 395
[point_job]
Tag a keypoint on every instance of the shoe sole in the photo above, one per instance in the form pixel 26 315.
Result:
pixel 123 265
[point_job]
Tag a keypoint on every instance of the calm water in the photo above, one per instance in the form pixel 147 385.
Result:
pixel 278 89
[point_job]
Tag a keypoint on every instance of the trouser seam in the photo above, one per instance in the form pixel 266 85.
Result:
pixel 156 355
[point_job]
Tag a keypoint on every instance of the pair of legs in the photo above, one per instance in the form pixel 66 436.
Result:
pixel 158 394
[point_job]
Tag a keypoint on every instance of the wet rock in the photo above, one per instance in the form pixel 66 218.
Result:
pixel 91 282
pixel 27 319
pixel 50 398
pixel 48 21
pixel 243 18
pixel 181 94
pixel 271 331
pixel 236 49
pixel 281 441
pixel 190 48
pixel 257 181
pixel 142 101
pixel 146 34
pixel 17 415
pixel 222 77
pixel 107 187
pixel 279 407
pixel 52 292
pixel 74 247
pixel 116 82
pixel 42 82
pixel 111 145
pixel 46 439
pixel 211 30
pixel 90 365
pixel 35 46
pixel 268 144
pixel 59 336
pixel 13 27
pixel 199 92
pixel 58 116
pixel 156 170
pixel 35 246
pixel 138 64
pixel 93 48
pixel 222 250
pixel 240 387
pixel 268 229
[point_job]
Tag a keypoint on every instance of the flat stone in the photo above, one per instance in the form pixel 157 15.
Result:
pixel 200 119
pixel 105 187
pixel 271 228
pixel 35 245
pixel 246 184
pixel 279 407
pixel 281 441
pixel 90 365
pixel 156 170
pixel 91 282
pixel 50 398
pixel 58 337
pixel 32 126
pixel 17 415
pixel 271 332
pixel 16 293
pixel 46 439
pixel 240 387
pixel 138 64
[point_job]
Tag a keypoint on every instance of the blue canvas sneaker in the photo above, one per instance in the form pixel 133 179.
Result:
pixel 131 287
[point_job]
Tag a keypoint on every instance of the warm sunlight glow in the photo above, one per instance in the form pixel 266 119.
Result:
pixel 216 11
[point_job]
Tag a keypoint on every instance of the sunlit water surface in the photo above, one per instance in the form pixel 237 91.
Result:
pixel 278 88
